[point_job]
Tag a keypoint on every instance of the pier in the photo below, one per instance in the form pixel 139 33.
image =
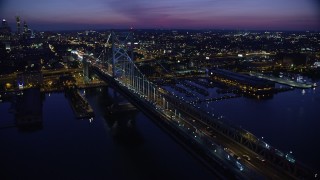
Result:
pixel 79 104
pixel 284 81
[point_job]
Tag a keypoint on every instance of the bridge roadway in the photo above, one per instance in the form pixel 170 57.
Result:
pixel 162 120
pixel 263 158
pixel 256 162
pixel 254 168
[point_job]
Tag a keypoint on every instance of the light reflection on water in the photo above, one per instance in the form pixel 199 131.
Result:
pixel 288 120
pixel 131 146
pixel 128 146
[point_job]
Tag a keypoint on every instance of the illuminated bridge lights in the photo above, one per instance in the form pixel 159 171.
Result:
pixel 167 108
pixel 290 157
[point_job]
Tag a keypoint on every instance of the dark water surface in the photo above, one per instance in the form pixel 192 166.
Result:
pixel 290 121
pixel 129 146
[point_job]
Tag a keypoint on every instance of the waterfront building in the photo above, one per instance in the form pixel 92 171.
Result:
pixel 246 84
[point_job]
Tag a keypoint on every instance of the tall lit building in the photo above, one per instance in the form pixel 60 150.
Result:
pixel 27 33
pixel 25 27
pixel 5 31
pixel 18 25
pixel 4 23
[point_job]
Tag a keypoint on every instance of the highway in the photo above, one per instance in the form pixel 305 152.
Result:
pixel 255 163
pixel 50 79
pixel 265 168
pixel 9 78
pixel 195 124
pixel 201 132
pixel 166 116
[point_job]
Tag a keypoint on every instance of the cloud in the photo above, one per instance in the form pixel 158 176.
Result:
pixel 164 13
pixel 138 10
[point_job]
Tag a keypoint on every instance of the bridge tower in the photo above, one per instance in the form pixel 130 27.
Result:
pixel 122 46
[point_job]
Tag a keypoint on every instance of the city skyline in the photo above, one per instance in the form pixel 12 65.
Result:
pixel 91 99
pixel 204 14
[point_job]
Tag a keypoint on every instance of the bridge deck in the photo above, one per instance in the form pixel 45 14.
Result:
pixel 207 137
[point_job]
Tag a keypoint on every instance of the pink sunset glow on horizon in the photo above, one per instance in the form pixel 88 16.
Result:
pixel 184 14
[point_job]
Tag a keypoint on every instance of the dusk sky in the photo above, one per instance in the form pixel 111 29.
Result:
pixel 190 14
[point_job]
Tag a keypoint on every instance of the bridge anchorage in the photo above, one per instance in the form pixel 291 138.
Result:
pixel 224 147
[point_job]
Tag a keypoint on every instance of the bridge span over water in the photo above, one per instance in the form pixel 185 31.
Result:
pixel 229 151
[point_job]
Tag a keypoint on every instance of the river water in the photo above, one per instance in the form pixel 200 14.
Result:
pixel 288 121
pixel 131 146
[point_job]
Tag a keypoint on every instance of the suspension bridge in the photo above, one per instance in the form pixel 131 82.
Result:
pixel 228 150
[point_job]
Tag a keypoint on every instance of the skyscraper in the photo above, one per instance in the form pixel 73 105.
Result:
pixel 25 27
pixel 4 23
pixel 26 31
pixel 18 25
pixel 5 31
